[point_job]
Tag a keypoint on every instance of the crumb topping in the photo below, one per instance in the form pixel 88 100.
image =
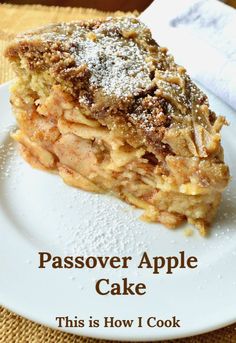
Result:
pixel 116 62
pixel 115 68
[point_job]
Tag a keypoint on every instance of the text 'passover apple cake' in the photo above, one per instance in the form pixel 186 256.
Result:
pixel 101 103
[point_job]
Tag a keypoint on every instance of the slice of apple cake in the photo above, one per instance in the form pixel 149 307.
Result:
pixel 108 109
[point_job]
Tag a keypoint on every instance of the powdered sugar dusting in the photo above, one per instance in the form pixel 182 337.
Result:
pixel 7 154
pixel 112 228
pixel 117 65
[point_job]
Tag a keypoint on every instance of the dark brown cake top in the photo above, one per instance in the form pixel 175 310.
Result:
pixel 117 64
pixel 116 68
pixel 114 51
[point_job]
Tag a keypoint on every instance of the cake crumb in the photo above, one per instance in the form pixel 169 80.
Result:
pixel 188 231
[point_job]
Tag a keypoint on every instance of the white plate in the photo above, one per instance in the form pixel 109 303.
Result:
pixel 40 213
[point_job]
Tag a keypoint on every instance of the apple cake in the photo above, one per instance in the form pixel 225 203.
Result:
pixel 108 109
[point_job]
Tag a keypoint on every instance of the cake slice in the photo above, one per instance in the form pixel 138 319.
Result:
pixel 103 105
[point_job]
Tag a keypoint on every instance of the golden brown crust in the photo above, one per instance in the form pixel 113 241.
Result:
pixel 116 68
